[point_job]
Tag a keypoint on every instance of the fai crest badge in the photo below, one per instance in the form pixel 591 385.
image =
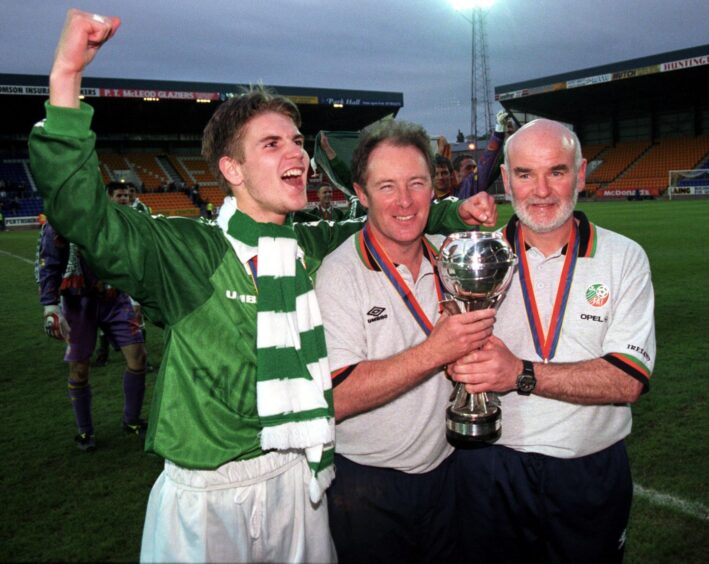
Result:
pixel 597 294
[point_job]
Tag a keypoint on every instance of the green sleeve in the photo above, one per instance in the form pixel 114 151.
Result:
pixel 320 238
pixel 443 219
pixel 154 260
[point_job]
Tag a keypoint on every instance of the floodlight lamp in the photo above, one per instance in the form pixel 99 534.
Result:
pixel 461 5
pixel 471 146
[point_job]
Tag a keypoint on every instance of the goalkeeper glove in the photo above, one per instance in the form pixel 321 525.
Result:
pixel 501 119
pixel 54 323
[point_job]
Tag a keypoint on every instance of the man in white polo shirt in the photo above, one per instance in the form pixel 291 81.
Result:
pixel 393 496
pixel 573 346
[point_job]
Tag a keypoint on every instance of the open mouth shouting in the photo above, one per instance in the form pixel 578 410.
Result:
pixel 294 177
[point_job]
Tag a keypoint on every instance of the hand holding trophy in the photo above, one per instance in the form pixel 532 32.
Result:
pixel 476 269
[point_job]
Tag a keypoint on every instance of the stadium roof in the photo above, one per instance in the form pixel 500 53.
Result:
pixel 666 81
pixel 158 107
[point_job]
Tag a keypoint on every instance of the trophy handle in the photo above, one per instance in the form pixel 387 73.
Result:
pixel 450 306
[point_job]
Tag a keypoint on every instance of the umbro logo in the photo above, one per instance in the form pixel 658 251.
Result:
pixel 243 298
pixel 376 314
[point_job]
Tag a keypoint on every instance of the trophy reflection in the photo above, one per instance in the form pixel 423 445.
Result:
pixel 475 268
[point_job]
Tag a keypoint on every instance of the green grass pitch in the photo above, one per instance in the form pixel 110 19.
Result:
pixel 61 504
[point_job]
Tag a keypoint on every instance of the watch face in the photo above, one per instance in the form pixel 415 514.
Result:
pixel 526 383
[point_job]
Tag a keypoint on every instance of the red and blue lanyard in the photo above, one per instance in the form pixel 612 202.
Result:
pixel 545 344
pixel 369 242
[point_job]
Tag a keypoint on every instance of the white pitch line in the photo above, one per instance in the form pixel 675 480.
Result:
pixel 18 257
pixel 692 508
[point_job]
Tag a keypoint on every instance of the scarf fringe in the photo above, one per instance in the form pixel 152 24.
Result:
pixel 297 434
pixel 320 482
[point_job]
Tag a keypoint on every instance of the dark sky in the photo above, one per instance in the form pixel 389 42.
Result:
pixel 421 48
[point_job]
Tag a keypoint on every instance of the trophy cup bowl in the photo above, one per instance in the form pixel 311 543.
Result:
pixel 475 268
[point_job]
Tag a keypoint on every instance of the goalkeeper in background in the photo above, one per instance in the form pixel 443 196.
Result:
pixel 482 174
pixel 76 304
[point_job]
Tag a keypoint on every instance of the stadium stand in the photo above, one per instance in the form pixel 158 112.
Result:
pixel 22 207
pixel 180 169
pixel 170 203
pixel 197 170
pixel 212 194
pixel 650 172
pixel 591 153
pixel 617 159
pixel 148 170
pixel 700 178
pixel 15 172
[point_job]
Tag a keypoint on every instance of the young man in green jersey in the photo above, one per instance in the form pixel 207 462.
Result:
pixel 242 410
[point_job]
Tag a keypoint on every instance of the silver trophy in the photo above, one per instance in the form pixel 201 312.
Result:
pixel 475 268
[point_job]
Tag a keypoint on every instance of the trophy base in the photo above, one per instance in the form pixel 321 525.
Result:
pixel 467 428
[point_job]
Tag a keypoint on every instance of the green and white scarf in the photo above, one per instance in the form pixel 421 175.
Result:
pixel 293 386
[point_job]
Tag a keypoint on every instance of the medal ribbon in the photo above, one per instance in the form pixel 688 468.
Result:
pixel 387 267
pixel 545 345
pixel 253 266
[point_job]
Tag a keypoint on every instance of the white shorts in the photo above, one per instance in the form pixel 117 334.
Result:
pixel 255 510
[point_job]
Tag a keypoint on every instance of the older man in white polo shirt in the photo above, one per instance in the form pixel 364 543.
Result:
pixel 573 346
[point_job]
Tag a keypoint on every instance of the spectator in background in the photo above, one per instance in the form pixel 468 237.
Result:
pixel 135 202
pixel 443 181
pixel 556 486
pixel 324 209
pixel 194 195
pixel 119 192
pixel 463 165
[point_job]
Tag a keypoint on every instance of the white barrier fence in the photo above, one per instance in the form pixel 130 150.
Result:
pixel 21 222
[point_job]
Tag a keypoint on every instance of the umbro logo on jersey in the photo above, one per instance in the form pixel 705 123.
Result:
pixel 376 314
pixel 243 298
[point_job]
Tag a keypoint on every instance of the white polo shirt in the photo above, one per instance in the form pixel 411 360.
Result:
pixel 609 314
pixel 365 319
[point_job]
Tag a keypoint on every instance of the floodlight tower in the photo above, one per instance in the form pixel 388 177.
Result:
pixel 480 99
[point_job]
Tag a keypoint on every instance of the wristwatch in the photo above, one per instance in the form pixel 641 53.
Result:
pixel 526 382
